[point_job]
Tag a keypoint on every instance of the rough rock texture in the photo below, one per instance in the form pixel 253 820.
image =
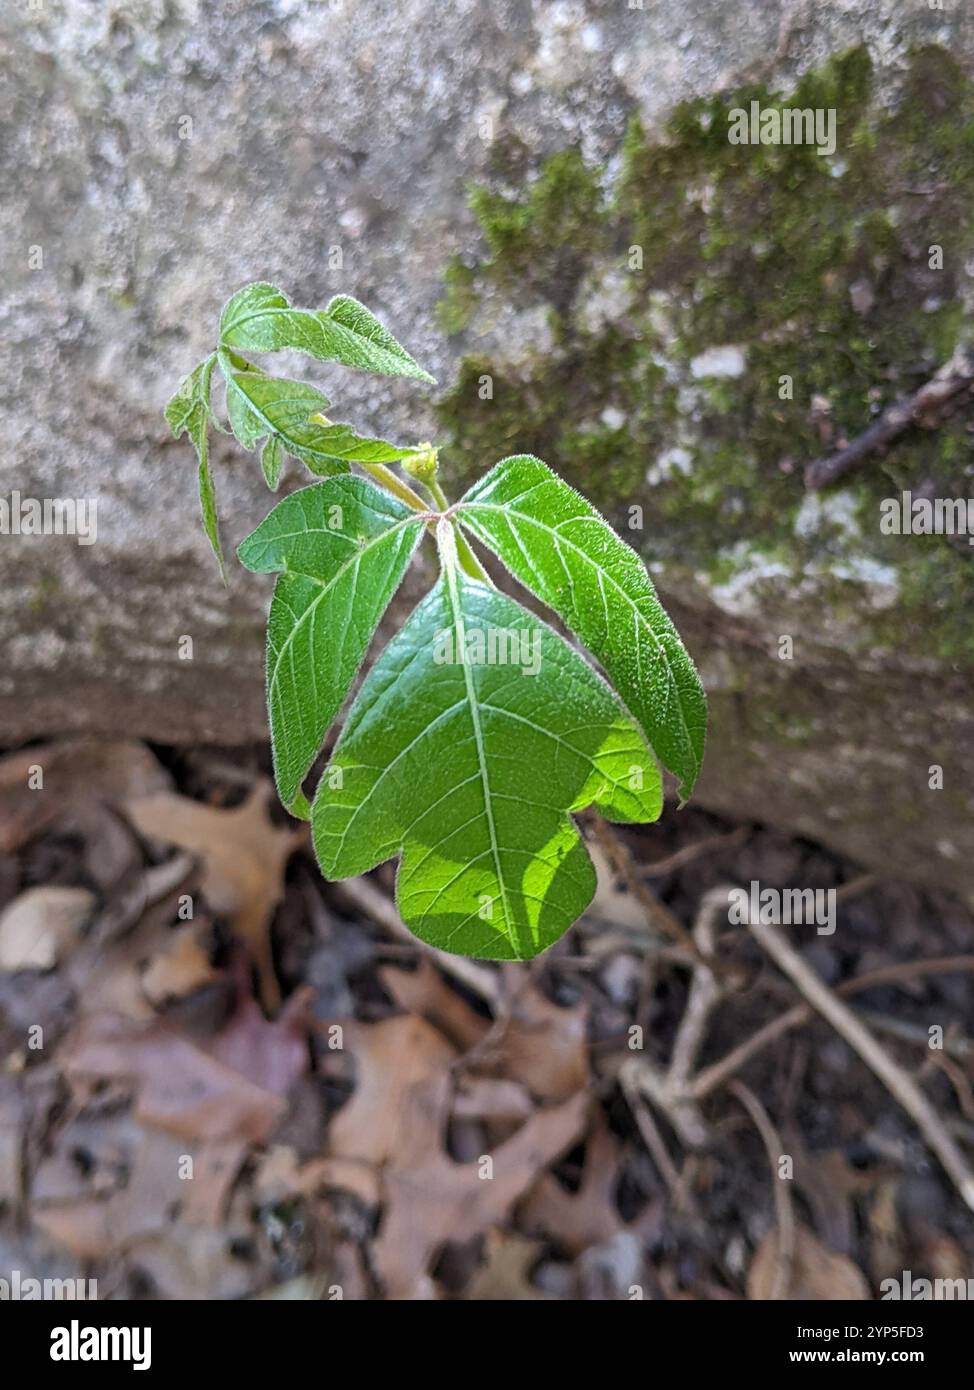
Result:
pixel 161 153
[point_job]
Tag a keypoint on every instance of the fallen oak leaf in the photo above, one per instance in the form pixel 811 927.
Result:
pixel 42 925
pixel 180 1087
pixel 504 1274
pixel 541 1045
pixel 152 1191
pixel 424 991
pixel 402 1069
pixel 432 1202
pixel 244 857
pixel 72 771
pixel 589 1215
pixel 181 968
pixel 271 1053
pixel 106 973
pixel 816 1273
pixel 280 1176
pixel 493 1100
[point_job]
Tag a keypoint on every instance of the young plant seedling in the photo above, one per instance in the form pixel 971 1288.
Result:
pixel 479 729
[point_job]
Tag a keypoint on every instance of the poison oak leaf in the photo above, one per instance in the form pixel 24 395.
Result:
pixel 560 548
pixel 189 411
pixel 470 769
pixel 478 730
pixel 259 318
pixel 344 546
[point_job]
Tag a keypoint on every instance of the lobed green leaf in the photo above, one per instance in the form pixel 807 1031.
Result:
pixel 259 318
pixel 559 547
pixel 470 768
pixel 343 546
pixel 189 412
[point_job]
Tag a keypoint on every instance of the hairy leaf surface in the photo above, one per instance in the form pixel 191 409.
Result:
pixel 343 546
pixel 189 411
pixel 469 769
pixel 272 461
pixel 260 405
pixel 259 318
pixel 291 413
pixel 560 548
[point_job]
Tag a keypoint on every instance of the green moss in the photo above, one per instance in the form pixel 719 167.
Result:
pixel 45 595
pixel 459 304
pixel 817 267
pixel 541 240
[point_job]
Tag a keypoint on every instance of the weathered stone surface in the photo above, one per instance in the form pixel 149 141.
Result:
pixel 162 153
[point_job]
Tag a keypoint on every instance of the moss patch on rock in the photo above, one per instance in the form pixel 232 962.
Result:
pixel 722 314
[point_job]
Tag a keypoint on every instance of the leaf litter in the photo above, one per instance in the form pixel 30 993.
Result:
pixel 198 1121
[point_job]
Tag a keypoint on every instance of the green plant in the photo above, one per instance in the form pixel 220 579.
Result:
pixel 478 729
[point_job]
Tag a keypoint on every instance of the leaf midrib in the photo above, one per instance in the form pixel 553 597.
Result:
pixel 450 574
pixel 272 428
pixel 507 513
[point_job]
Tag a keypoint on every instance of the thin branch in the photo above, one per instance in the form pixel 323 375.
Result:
pixel 952 380
pixel 660 916
pixel 898 1082
pixel 651 1136
pixel 784 1211
pixel 670 1091
pixel 689 853
pixel 715 1075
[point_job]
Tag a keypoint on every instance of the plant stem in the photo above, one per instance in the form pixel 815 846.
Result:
pixel 394 484
pixel 437 494
pixel 468 560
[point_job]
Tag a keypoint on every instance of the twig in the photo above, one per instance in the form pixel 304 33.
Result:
pixel 651 1136
pixel 897 1081
pixel 364 895
pixel 784 1211
pixel 915 1033
pixel 681 857
pixel 855 886
pixel 936 1061
pixel 718 1072
pixel 658 913
pixel 704 993
pixel 953 378
pixel 670 1091
pixel 511 989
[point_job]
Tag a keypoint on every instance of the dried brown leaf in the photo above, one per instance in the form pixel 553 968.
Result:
pixel 402 1080
pixel 244 857
pixel 817 1273
pixel 73 771
pixel 429 1204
